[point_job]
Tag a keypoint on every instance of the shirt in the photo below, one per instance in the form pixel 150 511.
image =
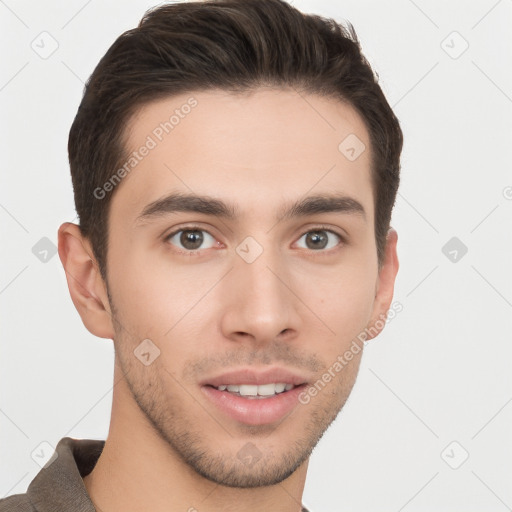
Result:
pixel 59 487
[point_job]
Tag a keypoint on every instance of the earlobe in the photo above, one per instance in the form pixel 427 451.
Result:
pixel 385 285
pixel 85 284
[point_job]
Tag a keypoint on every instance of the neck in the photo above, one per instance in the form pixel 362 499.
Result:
pixel 138 471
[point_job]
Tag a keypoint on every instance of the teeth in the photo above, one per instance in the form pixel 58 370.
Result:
pixel 253 390
pixel 280 387
pixel 248 390
pixel 266 389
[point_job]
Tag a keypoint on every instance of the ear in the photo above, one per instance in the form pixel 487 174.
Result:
pixel 385 286
pixel 86 287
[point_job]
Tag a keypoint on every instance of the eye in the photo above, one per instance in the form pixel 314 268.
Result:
pixel 318 239
pixel 191 239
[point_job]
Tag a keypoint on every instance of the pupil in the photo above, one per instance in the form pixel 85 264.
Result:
pixel 191 239
pixel 315 237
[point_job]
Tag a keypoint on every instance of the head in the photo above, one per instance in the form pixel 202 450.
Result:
pixel 235 165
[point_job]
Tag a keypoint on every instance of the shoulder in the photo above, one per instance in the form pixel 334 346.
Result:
pixel 16 503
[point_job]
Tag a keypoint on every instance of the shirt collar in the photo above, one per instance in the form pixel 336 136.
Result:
pixel 59 485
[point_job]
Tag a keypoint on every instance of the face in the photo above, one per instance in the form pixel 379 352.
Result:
pixel 243 302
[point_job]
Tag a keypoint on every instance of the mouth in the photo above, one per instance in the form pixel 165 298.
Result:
pixel 255 398
pixel 255 391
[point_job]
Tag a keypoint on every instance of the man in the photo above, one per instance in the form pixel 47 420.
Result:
pixel 235 166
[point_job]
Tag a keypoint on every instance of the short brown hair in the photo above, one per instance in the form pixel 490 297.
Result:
pixel 234 45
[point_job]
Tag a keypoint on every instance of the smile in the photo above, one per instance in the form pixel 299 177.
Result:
pixel 256 391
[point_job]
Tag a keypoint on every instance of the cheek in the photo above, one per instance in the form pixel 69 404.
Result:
pixel 344 303
pixel 159 300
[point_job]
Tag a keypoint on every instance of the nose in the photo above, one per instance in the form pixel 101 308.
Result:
pixel 261 305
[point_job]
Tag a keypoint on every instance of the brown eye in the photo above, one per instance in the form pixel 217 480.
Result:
pixel 319 239
pixel 191 239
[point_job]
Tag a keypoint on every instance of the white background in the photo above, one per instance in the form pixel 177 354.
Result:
pixel 440 372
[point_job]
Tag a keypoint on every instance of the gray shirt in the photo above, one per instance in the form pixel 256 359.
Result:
pixel 59 487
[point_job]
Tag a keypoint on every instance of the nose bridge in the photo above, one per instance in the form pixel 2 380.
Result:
pixel 261 303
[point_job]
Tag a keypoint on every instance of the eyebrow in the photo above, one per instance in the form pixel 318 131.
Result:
pixel 186 202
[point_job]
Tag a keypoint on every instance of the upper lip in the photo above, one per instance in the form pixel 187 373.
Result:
pixel 259 377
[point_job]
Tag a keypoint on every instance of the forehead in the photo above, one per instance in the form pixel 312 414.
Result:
pixel 255 149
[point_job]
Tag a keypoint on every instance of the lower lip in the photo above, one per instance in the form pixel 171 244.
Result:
pixel 254 411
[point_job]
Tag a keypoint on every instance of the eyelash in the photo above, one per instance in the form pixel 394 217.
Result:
pixel 197 252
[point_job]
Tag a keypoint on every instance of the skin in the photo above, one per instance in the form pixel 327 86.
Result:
pixel 296 306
